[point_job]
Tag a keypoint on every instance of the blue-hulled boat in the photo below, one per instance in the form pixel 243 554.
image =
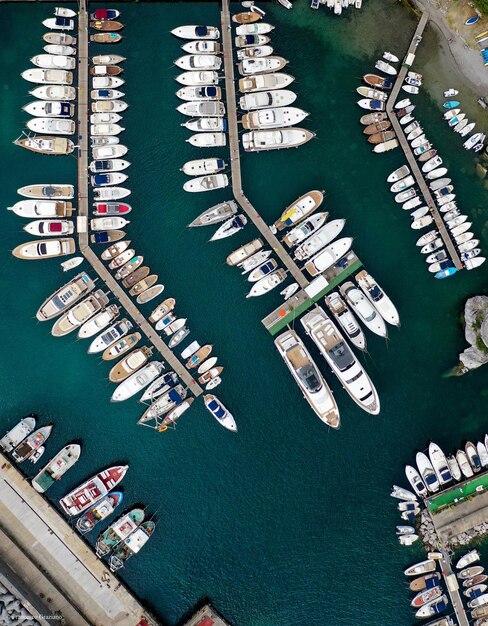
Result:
pixel 446 273
pixel 451 104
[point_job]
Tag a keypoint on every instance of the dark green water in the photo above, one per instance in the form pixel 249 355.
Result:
pixel 286 523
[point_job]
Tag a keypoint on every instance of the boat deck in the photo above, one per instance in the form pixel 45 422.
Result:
pixel 235 161
pixel 412 161
pixel 83 213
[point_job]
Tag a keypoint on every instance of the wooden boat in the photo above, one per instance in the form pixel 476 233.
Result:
pixel 371 129
pixel 150 294
pixel 129 364
pixel 106 70
pixel 121 258
pixel 33 442
pixel 46 145
pixel 386 146
pixel 121 346
pixel 106 38
pixel 59 39
pixel 44 249
pixel 300 209
pixel 379 82
pixel 129 267
pixel 245 251
pixel 373 118
pixel 143 284
pixel 200 355
pixel 246 18
pixel 380 137
pixel 209 374
pixel 106 25
pixel 136 276
pixel 162 309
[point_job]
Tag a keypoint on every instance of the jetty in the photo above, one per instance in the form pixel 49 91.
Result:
pixel 83 215
pixel 39 546
pixel 235 159
pixel 452 586
pixel 402 140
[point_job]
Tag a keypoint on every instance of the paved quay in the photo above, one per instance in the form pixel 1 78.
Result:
pixel 83 215
pixel 38 545
pixel 206 616
pixel 461 517
pixel 235 159
pixel 412 161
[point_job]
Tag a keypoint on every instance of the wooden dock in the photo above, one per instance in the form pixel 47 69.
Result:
pixel 83 215
pixel 412 161
pixel 235 159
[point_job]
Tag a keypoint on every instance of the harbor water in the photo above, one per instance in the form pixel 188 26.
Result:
pixel 285 523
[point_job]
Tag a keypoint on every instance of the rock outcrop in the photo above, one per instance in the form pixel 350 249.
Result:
pixel 476 333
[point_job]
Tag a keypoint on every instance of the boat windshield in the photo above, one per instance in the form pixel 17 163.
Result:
pixel 308 376
pixel 342 356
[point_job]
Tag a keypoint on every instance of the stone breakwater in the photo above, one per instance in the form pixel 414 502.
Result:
pixel 476 333
pixel 12 612
pixel 431 540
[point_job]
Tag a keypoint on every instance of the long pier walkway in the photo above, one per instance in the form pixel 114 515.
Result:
pixel 83 213
pixel 453 589
pixel 235 160
pixel 412 161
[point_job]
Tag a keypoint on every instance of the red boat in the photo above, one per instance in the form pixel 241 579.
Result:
pixel 111 208
pixel 426 596
pixel 84 496
pixel 105 14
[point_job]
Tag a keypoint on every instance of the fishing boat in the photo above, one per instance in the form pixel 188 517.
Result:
pixel 341 360
pixel 56 468
pixel 265 99
pixel 160 385
pixel 363 308
pixel 199 356
pixel 206 183
pixel 308 377
pixel 230 227
pixel 261 65
pixel 54 61
pixel 328 256
pixel 95 488
pixel 106 38
pixel 105 14
pixel 110 336
pixel 467 573
pixel 52 126
pixel 28 446
pixel 211 373
pixel 60 39
pixel 108 59
pixel 454 467
pixel 18 433
pixel 472 141
pixel 451 113
pixel 50 108
pixel 131 545
pixel 54 92
pixel 129 364
pixel 464 464
pixel 165 321
pixel 402 184
pixel 413 89
pixel 137 381
pixel 59 23
pixel 162 309
pixel 178 337
pixel 245 41
pixel 262 28
pixel 267 283
pixel 118 531
pixel 101 510
pixel 416 481
pixel 150 294
pixel 381 137
pixel 300 209
pixel 265 82
pixel 422 222
pixel 322 237
pixel 46 145
pixel 207 365
pixel 247 17
pixel 378 298
pixel 220 412
pixel 379 127
pixel 98 322
pixel 481 600
pixel 167 401
pixel 467 129
pixel 371 93
pixel 423 567
pixel 196 32
pixel 402 494
pixel 108 83
pixel 121 346
pixel 427 581
pixel 386 146
pixel 48 76
pixel 106 25
pixel 142 285
pixel 346 320
pixel 80 313
pixel 475 590
pixel 44 249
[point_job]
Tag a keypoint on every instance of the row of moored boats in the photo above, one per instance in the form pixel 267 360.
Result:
pixel 91 502
pixel 458 121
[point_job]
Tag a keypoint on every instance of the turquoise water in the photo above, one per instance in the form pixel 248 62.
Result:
pixel 286 523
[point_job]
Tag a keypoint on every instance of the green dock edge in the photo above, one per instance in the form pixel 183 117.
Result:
pixel 459 494
pixel 296 312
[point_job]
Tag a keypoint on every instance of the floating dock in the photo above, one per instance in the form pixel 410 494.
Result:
pixel 40 547
pixel 412 161
pixel 83 215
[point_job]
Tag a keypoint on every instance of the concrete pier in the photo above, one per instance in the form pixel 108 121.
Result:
pixel 412 161
pixel 235 159
pixel 452 584
pixel 83 214
pixel 40 547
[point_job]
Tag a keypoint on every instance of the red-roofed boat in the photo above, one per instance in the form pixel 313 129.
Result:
pixel 105 14
pixel 111 208
pixel 84 496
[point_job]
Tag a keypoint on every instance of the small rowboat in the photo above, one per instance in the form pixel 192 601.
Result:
pixel 109 25
pixel 246 18
pixel 150 294
pixel 106 38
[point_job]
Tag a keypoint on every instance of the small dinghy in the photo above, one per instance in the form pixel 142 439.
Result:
pixel 385 67
pixel 72 263
pixel 150 294
pixel 106 38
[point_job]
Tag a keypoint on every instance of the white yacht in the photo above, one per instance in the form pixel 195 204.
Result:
pixel 52 125
pixel 211 108
pixel 327 257
pixel 196 32
pixel 363 308
pixel 137 381
pixel 267 283
pixel 306 228
pixel 54 62
pixel 206 124
pixel 110 336
pixel 260 140
pixel 321 238
pixel 378 298
pixel 254 52
pixel 78 314
pixel 206 183
pixel 202 77
pixel 202 47
pixel 261 65
pixel 265 82
pixel 220 412
pixel 18 433
pixel 98 322
pixel 427 472
pixel 208 140
pixel 190 62
pixel 59 49
pixel 346 319
pixel 416 481
pixel 265 99
pixel 54 92
pixel 50 108
pixel 107 82
pixel 439 463
pixel 341 359
pixel 308 377
pixel 48 77
pixel 199 93
pixel 65 297
pixel 261 28
pixel 202 167
pixel 278 117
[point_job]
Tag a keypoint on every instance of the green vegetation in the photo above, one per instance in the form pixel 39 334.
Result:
pixel 461 494
pixel 482 5
pixel 480 344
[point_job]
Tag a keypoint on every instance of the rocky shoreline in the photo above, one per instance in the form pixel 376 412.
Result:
pixel 476 333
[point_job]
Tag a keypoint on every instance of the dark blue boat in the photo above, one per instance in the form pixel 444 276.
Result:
pixel 101 179
pixel 101 166
pixel 102 236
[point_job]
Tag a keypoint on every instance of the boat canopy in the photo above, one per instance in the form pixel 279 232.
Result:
pixel 62 21
pixel 201 31
pixel 105 14
pixel 101 237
